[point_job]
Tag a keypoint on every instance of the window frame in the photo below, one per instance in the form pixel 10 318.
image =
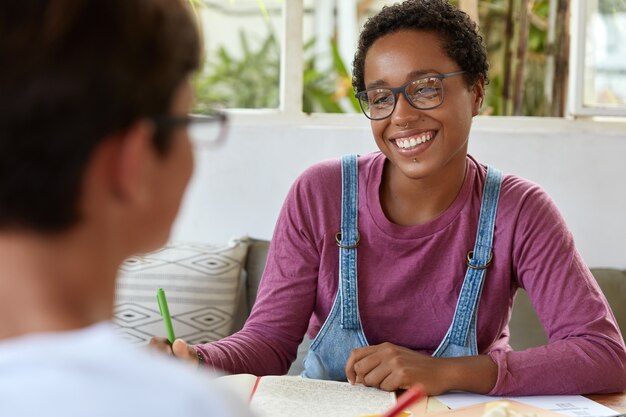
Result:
pixel 578 44
pixel 289 111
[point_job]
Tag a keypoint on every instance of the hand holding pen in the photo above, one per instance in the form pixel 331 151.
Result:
pixel 170 345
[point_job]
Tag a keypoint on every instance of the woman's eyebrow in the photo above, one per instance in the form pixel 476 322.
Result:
pixel 377 83
pixel 420 73
pixel 410 76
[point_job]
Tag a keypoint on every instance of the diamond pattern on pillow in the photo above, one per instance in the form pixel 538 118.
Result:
pixel 202 284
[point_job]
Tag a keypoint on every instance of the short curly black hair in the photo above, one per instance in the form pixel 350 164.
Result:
pixel 462 41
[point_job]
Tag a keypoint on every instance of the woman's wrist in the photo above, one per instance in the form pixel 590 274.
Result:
pixel 476 374
pixel 201 360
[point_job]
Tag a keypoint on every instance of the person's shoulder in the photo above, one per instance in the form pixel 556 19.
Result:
pixel 322 170
pixel 107 377
pixel 514 187
pixel 522 199
pixel 330 169
pixel 166 386
pixel 318 182
pixel 183 389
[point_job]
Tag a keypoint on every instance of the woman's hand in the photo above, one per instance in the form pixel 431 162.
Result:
pixel 392 367
pixel 179 349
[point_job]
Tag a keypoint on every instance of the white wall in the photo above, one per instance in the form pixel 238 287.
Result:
pixel 239 188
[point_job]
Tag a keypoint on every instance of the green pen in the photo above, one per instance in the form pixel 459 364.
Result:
pixel 165 313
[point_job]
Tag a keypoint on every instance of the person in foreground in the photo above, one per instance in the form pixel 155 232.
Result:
pixel 94 159
pixel 439 242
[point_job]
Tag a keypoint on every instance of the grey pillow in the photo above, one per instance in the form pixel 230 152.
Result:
pixel 202 284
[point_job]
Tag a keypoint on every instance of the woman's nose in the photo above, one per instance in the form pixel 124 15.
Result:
pixel 404 112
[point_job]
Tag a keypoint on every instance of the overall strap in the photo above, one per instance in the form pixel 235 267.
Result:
pixel 348 240
pixel 477 260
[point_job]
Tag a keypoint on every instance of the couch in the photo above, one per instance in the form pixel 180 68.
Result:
pixel 211 290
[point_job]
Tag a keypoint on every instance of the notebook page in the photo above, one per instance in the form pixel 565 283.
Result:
pixel 288 396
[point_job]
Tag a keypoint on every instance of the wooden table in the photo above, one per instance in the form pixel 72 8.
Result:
pixel 615 401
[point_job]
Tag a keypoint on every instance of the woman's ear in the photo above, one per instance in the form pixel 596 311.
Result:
pixel 479 94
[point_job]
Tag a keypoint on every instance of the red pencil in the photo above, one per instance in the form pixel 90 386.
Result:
pixel 411 396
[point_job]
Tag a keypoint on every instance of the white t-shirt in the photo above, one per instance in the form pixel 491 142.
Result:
pixel 92 372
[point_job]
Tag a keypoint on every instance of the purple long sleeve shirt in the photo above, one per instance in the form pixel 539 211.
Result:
pixel 409 278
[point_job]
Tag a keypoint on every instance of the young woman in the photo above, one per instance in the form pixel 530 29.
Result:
pixel 402 265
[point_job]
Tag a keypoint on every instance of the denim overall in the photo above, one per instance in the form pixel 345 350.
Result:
pixel 342 331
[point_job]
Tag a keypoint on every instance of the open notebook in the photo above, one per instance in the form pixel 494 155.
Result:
pixel 289 396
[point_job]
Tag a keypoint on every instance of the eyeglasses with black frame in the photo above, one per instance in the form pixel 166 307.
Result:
pixel 424 93
pixel 205 131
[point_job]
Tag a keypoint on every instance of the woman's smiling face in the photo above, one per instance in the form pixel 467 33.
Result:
pixel 421 143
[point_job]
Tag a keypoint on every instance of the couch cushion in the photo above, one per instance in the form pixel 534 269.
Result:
pixel 526 330
pixel 613 284
pixel 253 271
pixel 525 327
pixel 202 283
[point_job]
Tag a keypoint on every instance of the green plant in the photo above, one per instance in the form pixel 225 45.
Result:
pixel 516 36
pixel 249 81
pixel 323 91
pixel 252 79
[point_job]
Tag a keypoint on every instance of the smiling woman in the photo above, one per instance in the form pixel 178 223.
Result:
pixel 443 244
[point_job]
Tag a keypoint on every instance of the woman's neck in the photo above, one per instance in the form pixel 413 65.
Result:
pixel 409 202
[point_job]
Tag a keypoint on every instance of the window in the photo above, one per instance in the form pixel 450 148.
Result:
pixel 242 40
pixel 292 57
pixel 523 74
pixel 598 81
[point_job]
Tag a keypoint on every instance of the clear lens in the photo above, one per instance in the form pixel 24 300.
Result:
pixel 380 103
pixel 425 93
pixel 207 131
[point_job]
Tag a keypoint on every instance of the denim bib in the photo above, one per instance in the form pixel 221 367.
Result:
pixel 342 331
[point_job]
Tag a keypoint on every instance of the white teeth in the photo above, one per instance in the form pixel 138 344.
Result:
pixel 414 141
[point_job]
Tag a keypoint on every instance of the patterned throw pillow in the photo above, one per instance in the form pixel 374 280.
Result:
pixel 202 284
